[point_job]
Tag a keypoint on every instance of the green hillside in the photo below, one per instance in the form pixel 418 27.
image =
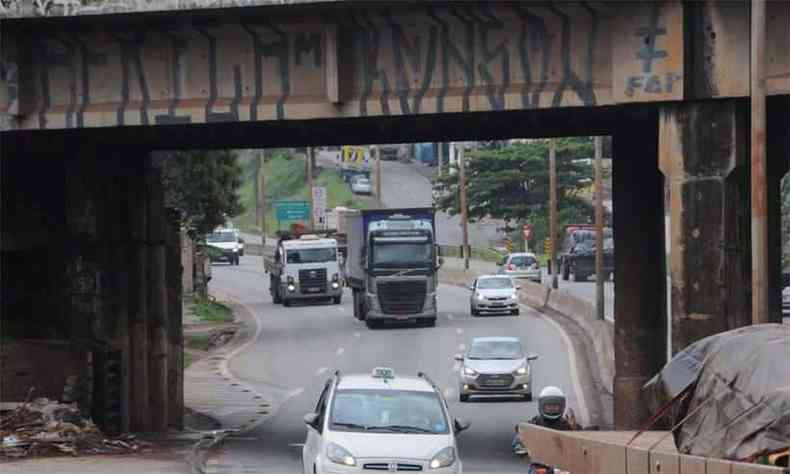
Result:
pixel 286 179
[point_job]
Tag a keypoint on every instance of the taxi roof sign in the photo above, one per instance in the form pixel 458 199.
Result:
pixel 383 373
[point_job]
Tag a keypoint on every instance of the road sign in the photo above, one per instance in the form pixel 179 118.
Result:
pixel 527 230
pixel 292 210
pixel 319 206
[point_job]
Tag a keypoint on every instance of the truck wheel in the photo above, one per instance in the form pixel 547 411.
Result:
pixel 429 322
pixel 371 324
pixel 578 276
pixel 236 260
pixel 337 299
pixel 286 302
pixel 566 271
pixel 274 289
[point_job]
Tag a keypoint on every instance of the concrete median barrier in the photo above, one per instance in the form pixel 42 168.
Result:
pixel 534 295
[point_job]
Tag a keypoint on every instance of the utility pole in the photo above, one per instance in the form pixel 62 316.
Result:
pixel 310 165
pixel 464 210
pixel 553 211
pixel 261 215
pixel 599 296
pixel 759 191
pixel 377 164
pixel 439 152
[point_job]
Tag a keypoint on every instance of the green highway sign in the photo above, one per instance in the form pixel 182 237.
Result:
pixel 292 210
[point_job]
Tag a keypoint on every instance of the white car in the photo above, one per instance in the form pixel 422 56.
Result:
pixel 361 185
pixel 226 246
pixel 495 366
pixel 381 422
pixel 494 294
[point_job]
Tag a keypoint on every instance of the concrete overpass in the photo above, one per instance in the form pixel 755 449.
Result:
pixel 89 91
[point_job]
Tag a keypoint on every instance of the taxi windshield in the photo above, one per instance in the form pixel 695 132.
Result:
pixel 388 411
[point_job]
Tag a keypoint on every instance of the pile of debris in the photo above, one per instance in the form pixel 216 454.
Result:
pixel 46 428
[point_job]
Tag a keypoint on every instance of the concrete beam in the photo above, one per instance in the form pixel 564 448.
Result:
pixel 702 152
pixel 639 311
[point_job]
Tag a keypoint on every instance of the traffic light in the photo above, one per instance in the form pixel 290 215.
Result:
pixel 547 246
pixel 509 244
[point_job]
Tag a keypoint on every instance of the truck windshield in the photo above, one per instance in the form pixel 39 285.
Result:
pixel 399 254
pixel 311 255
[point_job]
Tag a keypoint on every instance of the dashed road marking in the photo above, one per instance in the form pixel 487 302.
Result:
pixel 321 370
pixel 340 351
pixel 357 335
pixel 450 317
pixel 459 331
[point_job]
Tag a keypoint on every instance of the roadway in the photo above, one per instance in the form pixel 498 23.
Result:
pixel 299 347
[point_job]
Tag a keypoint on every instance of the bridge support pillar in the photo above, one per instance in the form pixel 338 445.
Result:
pixel 157 298
pixel 778 149
pixel 140 419
pixel 702 150
pixel 640 317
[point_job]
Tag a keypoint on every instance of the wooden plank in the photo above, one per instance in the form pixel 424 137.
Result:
pixel 692 464
pixel 664 463
pixel 718 466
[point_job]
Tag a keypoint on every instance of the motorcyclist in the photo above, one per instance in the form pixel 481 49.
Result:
pixel 551 414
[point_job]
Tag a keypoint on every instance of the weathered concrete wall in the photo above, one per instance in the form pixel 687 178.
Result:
pixel 349 61
pixel 63 8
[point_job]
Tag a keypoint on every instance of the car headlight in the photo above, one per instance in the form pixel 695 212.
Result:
pixel 470 371
pixel 235 249
pixel 523 370
pixel 291 287
pixel 335 285
pixel 337 454
pixel 480 297
pixel 444 458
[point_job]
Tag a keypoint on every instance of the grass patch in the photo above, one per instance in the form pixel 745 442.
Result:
pixel 199 342
pixel 211 311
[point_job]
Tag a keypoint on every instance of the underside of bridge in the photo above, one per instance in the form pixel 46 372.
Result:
pixel 90 255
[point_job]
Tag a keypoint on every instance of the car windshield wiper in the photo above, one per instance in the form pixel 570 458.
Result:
pixel 352 425
pixel 402 429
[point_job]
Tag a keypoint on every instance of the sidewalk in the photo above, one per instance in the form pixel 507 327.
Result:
pixel 211 389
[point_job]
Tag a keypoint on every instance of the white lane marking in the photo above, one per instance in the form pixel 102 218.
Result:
pixel 321 370
pixel 450 316
pixel 462 347
pixel 459 331
pixel 341 309
pixel 577 387
pixel 357 334
pixel 340 351
pixel 296 392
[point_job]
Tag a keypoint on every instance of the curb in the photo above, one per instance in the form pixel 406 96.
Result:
pixel 202 449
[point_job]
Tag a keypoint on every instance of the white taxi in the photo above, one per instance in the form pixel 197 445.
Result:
pixel 381 422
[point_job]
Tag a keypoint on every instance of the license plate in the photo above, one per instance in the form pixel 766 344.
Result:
pixel 402 317
pixel 313 290
pixel 498 305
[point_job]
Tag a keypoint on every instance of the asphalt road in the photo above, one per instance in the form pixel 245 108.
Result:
pixel 299 347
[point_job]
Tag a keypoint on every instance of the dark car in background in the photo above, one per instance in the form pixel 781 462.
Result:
pixel 578 253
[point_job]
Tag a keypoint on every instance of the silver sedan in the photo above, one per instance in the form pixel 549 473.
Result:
pixel 495 366
pixel 494 294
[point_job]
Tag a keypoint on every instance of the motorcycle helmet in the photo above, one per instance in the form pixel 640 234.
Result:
pixel 551 403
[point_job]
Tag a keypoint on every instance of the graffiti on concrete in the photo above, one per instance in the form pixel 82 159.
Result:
pixel 449 58
pixel 648 81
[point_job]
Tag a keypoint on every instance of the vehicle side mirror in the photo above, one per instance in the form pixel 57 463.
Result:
pixel 441 261
pixel 532 357
pixel 311 419
pixel 471 287
pixel 518 287
pixel 459 357
pixel 241 241
pixel 461 425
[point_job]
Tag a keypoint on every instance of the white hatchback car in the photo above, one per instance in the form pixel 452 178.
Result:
pixel 381 422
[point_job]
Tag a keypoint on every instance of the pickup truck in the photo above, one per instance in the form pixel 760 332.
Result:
pixel 303 267
pixel 578 256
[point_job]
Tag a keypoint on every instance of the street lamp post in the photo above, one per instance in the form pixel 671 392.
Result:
pixel 599 280
pixel 464 207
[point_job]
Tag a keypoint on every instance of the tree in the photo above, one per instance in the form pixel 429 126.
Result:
pixel 512 183
pixel 203 185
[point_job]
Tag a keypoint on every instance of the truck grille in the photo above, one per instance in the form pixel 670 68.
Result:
pixel 495 380
pixel 312 281
pixel 382 466
pixel 402 297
